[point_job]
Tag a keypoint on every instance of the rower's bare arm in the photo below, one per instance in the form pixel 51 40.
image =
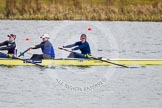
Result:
pixel 32 47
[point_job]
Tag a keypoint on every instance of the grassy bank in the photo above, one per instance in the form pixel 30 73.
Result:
pixel 113 10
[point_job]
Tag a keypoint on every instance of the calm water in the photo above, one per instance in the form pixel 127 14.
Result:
pixel 92 87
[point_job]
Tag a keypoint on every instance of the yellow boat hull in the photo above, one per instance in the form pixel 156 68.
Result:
pixel 82 62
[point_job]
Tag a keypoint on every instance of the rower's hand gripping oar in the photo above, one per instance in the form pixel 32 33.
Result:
pixel 96 58
pixel 64 49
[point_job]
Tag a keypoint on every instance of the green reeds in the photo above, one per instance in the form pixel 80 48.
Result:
pixel 119 10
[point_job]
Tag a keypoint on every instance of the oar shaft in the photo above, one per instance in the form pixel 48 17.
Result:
pixel 23 52
pixel 24 60
pixel 28 61
pixel 65 49
pixel 99 59
pixel 111 62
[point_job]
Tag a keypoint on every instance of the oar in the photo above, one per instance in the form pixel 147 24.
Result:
pixel 28 61
pixel 22 53
pixel 110 62
pixel 65 49
pixel 24 60
pixel 97 58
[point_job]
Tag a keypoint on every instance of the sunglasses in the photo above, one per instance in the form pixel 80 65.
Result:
pixel 10 37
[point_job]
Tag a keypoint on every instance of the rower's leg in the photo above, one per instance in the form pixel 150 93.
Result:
pixel 2 55
pixel 37 57
pixel 76 55
pixel 71 55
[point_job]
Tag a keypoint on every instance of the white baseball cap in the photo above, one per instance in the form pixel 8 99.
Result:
pixel 45 36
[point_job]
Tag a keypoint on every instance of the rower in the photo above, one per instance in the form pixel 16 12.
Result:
pixel 82 45
pixel 47 49
pixel 10 46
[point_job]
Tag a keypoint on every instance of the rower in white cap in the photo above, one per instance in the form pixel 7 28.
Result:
pixel 47 49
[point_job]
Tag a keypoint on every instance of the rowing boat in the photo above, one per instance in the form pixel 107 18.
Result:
pixel 80 62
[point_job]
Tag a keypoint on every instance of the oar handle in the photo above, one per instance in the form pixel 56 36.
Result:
pixel 64 49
